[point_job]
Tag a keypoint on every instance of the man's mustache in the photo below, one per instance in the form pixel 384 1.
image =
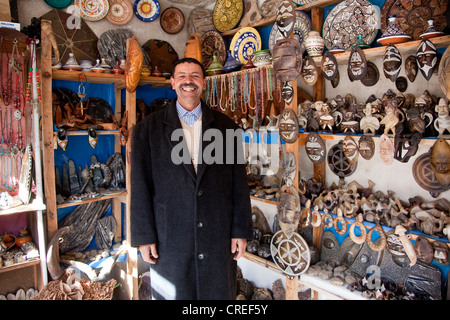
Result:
pixel 189 85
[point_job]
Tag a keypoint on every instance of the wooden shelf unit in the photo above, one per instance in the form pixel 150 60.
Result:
pixel 118 80
pixel 317 19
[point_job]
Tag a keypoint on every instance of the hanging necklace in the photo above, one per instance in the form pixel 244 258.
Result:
pixel 207 92
pixel 5 92
pixel 250 87
pixel 222 93
pixel 243 104
pixel 269 82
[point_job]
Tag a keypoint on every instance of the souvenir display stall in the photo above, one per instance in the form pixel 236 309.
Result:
pixel 345 111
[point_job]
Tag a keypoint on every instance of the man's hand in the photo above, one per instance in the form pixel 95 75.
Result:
pixel 238 247
pixel 149 253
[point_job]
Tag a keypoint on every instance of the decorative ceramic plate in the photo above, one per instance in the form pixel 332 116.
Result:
pixel 172 20
pixel 146 10
pixel 92 10
pixel 302 27
pixel 120 12
pixel 349 19
pixel 244 43
pixel 302 2
pixel 58 4
pixel 227 14
pixel 213 44
pixel 412 16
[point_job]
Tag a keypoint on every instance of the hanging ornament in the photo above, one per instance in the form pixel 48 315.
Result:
pixel 63 141
pixel 93 138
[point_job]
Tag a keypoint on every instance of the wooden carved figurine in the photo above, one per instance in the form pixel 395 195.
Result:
pixel 369 124
pixel 442 122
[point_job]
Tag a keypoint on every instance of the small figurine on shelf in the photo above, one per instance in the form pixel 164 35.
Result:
pixel 117 69
pixel 156 72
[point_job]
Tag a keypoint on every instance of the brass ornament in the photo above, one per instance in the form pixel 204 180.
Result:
pixel 227 14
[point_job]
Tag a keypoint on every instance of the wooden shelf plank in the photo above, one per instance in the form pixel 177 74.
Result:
pixel 106 78
pixel 34 206
pixel 16 266
pixel 378 52
pixel 103 197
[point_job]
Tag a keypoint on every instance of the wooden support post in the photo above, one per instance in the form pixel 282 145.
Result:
pixel 47 134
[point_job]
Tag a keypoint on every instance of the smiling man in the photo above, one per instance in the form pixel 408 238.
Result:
pixel 190 220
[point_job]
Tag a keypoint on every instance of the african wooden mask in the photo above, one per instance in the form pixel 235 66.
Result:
pixel 357 64
pixel 309 71
pixel 288 210
pixel 288 125
pixel 285 18
pixel 372 75
pixel 426 58
pixel 444 72
pixel 315 148
pixel 329 65
pixel 287 59
pixel 287 93
pixel 440 161
pixel 411 68
pixel 350 149
pixel 401 84
pixel 392 62
pixel 366 147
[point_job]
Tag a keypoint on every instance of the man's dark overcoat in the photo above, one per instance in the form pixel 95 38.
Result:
pixel 191 217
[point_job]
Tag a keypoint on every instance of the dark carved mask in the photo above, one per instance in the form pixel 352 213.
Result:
pixel 329 65
pixel 392 62
pixel 287 59
pixel 287 92
pixel 285 18
pixel 309 71
pixel 315 148
pixel 288 125
pixel 426 58
pixel 411 68
pixel 357 64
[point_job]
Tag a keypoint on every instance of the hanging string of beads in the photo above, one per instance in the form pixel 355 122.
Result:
pixel 251 88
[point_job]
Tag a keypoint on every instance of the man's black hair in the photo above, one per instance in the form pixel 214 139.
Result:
pixel 188 60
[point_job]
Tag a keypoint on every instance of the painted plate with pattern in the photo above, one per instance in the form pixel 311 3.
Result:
pixel 92 10
pixel 349 19
pixel 244 43
pixel 120 12
pixel 146 10
pixel 227 14
pixel 172 20
pixel 302 27
pixel 412 16
pixel 213 44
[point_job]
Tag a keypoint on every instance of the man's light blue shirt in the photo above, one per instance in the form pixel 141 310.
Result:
pixel 189 117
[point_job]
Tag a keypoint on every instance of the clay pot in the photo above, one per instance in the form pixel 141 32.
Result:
pixel 314 44
pixel 23 236
pixel 193 48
